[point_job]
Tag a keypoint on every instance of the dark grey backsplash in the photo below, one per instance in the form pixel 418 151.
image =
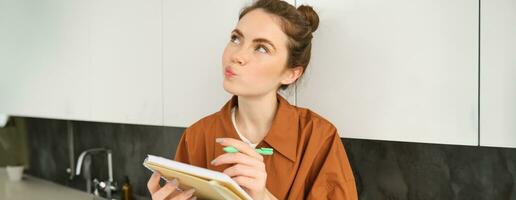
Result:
pixel 130 144
pixel 383 169
pixel 406 171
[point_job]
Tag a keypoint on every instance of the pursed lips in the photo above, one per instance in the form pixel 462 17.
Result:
pixel 229 72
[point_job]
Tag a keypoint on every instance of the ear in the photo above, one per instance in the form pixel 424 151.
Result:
pixel 292 74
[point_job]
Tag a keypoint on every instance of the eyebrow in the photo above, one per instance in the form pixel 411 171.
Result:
pixel 257 40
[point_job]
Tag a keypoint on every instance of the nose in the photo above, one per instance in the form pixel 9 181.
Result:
pixel 239 57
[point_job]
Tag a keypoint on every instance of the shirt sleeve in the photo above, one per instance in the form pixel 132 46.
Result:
pixel 333 175
pixel 182 149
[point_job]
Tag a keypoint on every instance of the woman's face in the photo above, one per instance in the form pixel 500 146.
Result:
pixel 254 60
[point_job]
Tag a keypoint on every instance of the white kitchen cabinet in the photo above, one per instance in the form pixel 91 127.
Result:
pixel 195 34
pixel 82 60
pixel 126 61
pixel 498 73
pixel 44 58
pixel 396 70
pixel 136 62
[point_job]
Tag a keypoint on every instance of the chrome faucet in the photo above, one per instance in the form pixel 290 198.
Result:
pixel 109 186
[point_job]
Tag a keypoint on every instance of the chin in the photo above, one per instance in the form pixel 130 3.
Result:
pixel 238 89
pixel 229 88
pixel 233 89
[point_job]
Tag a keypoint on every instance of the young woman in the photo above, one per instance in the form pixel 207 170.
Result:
pixel 268 50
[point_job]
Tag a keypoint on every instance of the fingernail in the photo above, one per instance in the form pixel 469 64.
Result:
pixel 219 140
pixel 190 192
pixel 194 198
pixel 213 161
pixel 174 182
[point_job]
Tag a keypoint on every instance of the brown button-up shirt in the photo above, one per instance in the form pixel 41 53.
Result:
pixel 309 160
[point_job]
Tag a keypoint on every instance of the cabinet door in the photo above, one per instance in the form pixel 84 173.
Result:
pixel 126 61
pixel 44 58
pixel 396 70
pixel 195 34
pixel 498 73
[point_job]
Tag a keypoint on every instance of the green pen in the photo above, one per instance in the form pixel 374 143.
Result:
pixel 262 151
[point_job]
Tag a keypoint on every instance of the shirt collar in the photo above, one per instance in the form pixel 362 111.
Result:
pixel 283 134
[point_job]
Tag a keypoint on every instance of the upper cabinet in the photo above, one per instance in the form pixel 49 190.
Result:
pixel 396 70
pixel 154 62
pixel 44 58
pixel 82 60
pixel 195 34
pixel 125 73
pixel 498 73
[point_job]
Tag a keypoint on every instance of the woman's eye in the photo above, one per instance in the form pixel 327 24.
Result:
pixel 234 38
pixel 262 49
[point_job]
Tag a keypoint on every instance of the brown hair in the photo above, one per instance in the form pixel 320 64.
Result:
pixel 298 24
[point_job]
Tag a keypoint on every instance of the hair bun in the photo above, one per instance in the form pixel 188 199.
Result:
pixel 310 15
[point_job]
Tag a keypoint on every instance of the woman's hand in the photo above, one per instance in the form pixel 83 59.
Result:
pixel 249 169
pixel 168 191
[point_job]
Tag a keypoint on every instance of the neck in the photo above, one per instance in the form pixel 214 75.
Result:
pixel 254 115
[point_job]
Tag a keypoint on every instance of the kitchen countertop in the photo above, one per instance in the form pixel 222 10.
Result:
pixel 35 188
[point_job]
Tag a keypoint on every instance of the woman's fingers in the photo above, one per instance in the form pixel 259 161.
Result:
pixel 238 158
pixel 249 171
pixel 244 170
pixel 240 146
pixel 153 183
pixel 184 195
pixel 165 191
pixel 168 191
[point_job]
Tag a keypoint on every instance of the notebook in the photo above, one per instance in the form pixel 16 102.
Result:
pixel 208 184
